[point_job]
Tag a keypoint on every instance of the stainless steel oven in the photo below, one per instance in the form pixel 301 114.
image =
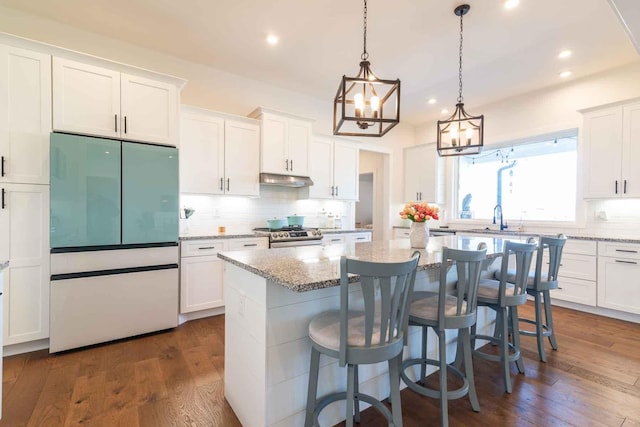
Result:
pixel 291 236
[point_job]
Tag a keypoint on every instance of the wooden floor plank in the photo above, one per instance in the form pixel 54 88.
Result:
pixel 175 378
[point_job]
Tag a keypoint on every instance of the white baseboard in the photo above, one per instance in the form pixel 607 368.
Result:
pixel 25 347
pixel 621 315
pixel 199 314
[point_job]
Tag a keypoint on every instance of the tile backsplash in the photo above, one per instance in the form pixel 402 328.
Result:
pixel 242 214
pixel 621 216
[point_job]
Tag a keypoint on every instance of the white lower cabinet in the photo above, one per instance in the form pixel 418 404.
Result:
pixel 577 274
pixel 201 271
pixel 618 271
pixel 338 238
pixel 358 237
pixel 24 227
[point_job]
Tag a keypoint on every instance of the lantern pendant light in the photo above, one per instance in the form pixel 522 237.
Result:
pixel 366 105
pixel 460 134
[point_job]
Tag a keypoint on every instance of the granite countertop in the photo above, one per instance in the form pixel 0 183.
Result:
pixel 306 268
pixel 345 230
pixel 247 234
pixel 4 264
pixel 209 236
pixel 577 235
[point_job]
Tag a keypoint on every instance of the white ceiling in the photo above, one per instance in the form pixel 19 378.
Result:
pixel 506 52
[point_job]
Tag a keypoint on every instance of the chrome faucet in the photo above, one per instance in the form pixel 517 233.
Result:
pixel 497 211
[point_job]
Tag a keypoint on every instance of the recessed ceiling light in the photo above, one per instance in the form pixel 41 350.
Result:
pixel 565 74
pixel 510 4
pixel 444 111
pixel 564 54
pixel 432 101
pixel 272 39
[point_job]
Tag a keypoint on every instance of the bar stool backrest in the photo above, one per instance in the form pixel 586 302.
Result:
pixel 468 265
pixel 554 246
pixel 386 316
pixel 523 253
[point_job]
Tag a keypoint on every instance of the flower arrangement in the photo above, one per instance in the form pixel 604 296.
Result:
pixel 419 212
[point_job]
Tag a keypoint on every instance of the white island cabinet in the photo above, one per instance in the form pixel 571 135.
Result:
pixel 272 294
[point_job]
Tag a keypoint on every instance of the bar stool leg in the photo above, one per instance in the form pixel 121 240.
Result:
pixel 350 393
pixel 516 338
pixel 423 365
pixel 465 340
pixel 549 318
pixel 313 387
pixel 394 390
pixel 442 347
pixel 539 326
pixel 356 401
pixel 504 349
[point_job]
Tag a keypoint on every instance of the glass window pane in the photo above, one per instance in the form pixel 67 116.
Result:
pixel 534 181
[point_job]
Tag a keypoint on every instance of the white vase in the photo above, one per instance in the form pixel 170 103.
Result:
pixel 419 235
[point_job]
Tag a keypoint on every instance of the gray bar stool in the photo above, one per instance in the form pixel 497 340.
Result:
pixel 504 298
pixel 441 311
pixel 355 338
pixel 540 282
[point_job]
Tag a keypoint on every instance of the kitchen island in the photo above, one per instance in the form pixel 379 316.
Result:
pixel 272 294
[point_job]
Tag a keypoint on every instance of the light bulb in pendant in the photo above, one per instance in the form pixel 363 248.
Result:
pixel 454 137
pixel 469 134
pixel 375 106
pixel 358 100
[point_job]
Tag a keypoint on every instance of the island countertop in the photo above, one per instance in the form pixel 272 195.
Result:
pixel 307 268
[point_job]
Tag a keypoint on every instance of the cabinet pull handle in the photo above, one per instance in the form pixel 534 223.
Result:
pixel 3 165
pixel 221 184
pixel 335 240
pixel 360 238
pixel 125 124
pixel 421 196
pixel 628 251
pixel 332 192
pixel 616 186
pixel 625 186
pixel 417 196
pixel 250 244
pixel 228 184
pixel 286 162
pixel 206 247
pixel 626 262
pixel 292 166
pixel 4 205
pixel 115 122
pixel 336 191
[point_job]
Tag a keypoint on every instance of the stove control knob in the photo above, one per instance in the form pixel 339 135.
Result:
pixel 285 234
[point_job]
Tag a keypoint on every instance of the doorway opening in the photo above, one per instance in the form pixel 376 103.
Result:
pixel 372 209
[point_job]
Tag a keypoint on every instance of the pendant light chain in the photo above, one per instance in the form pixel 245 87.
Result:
pixel 365 54
pixel 460 99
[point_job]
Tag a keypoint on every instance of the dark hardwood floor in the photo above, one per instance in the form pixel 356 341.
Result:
pixel 175 378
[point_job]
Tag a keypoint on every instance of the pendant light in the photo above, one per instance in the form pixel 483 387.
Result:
pixel 460 134
pixel 366 105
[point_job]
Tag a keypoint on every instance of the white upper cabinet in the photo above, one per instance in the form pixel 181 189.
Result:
pixel 285 143
pixel 334 169
pixel 218 154
pixel 149 109
pixel 612 152
pixel 242 158
pixel 93 100
pixel 201 153
pixel 422 174
pixel 25 115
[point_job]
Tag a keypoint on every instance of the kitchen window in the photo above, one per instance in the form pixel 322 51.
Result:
pixel 534 181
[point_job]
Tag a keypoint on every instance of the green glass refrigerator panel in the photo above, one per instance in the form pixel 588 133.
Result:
pixel 85 191
pixel 149 193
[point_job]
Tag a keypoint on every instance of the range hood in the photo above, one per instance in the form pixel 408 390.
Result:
pixel 285 180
